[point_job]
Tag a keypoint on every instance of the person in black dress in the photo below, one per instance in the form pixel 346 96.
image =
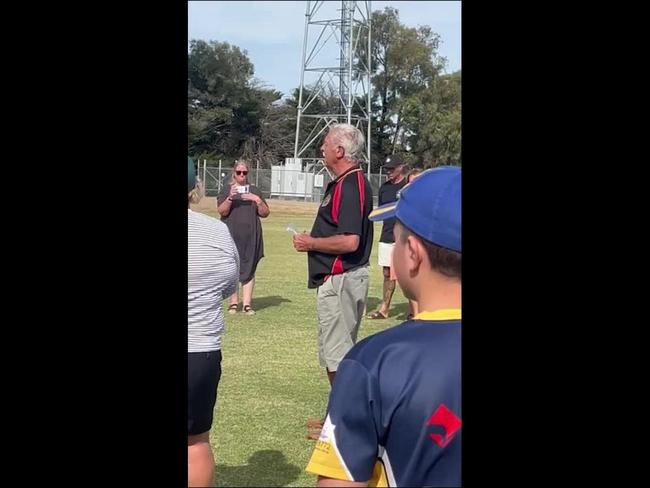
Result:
pixel 241 205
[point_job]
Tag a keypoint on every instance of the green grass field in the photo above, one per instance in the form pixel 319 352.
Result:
pixel 271 381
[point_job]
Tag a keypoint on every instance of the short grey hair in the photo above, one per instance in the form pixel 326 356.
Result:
pixel 350 138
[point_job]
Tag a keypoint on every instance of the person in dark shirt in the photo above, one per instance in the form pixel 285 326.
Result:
pixel 388 192
pixel 241 205
pixel 338 248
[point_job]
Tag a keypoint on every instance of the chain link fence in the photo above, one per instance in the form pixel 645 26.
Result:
pixel 278 182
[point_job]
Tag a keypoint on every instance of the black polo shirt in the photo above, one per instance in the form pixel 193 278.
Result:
pixel 387 194
pixel 344 210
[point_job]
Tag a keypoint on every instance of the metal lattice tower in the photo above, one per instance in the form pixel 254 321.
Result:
pixel 334 80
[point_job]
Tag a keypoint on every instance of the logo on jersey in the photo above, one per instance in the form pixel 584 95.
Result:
pixel 447 424
pixel 326 200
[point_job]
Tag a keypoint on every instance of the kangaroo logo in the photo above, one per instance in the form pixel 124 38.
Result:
pixel 446 422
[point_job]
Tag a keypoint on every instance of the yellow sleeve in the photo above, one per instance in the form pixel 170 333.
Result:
pixel 325 462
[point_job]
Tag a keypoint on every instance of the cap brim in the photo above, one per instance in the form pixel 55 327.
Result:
pixel 384 212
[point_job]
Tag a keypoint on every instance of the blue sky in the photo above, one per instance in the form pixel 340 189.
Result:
pixel 272 31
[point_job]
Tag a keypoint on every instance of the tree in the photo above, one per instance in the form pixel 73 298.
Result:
pixel 434 121
pixel 405 61
pixel 416 110
pixel 225 105
pixel 277 133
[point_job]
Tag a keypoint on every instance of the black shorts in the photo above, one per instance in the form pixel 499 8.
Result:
pixel 203 374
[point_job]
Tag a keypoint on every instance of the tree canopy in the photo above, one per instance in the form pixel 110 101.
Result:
pixel 416 107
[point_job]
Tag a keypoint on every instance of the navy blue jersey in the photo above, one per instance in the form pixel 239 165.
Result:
pixel 394 414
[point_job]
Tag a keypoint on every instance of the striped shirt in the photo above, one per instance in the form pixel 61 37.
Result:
pixel 212 276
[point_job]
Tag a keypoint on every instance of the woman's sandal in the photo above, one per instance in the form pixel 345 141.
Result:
pixel 232 309
pixel 248 310
pixel 377 316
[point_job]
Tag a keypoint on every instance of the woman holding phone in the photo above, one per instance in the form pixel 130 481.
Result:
pixel 241 205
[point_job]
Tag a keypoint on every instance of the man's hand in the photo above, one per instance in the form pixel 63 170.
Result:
pixel 302 242
pixel 338 244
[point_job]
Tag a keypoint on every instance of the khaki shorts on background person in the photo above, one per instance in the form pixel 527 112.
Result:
pixel 385 257
pixel 340 305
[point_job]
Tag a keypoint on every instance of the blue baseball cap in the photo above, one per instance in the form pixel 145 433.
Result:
pixel 430 207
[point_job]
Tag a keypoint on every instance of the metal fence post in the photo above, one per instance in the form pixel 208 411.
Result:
pixel 219 177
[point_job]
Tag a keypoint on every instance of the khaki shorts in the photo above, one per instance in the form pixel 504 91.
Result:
pixel 340 305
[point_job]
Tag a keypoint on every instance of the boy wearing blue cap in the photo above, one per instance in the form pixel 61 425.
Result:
pixel 394 415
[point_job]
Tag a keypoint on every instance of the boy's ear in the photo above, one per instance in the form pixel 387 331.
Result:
pixel 414 253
